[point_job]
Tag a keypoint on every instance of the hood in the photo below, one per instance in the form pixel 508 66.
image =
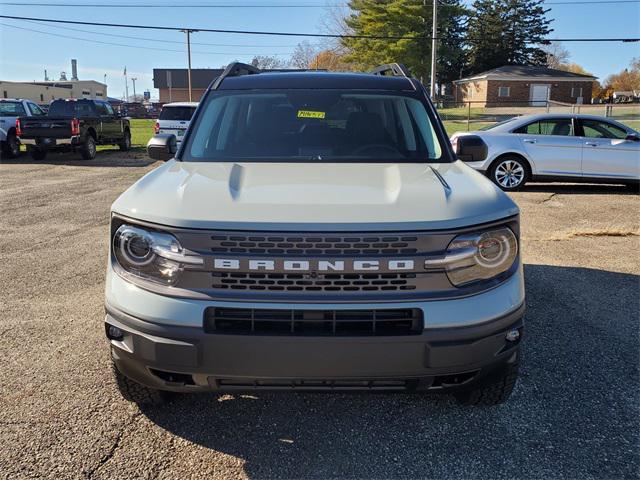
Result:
pixel 310 196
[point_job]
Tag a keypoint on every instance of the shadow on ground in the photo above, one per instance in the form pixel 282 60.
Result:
pixel 580 189
pixel 136 157
pixel 574 413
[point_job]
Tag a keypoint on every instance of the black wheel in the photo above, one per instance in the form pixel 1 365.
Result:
pixel 126 142
pixel 509 173
pixel 632 187
pixel 88 148
pixel 37 153
pixel 11 147
pixel 497 391
pixel 137 393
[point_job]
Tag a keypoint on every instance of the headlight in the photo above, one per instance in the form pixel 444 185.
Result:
pixel 477 256
pixel 154 256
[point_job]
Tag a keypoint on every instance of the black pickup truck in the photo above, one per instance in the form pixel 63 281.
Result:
pixel 74 124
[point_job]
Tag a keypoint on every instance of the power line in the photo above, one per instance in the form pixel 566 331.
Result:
pixel 288 34
pixel 160 40
pixel 130 46
pixel 262 5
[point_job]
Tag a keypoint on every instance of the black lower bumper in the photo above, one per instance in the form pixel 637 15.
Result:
pixel 188 359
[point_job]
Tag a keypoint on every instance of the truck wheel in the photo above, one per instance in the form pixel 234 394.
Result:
pixel 126 142
pixel 37 153
pixel 137 393
pixel 494 393
pixel 88 148
pixel 11 147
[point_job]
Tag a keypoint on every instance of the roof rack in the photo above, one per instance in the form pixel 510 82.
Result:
pixel 393 69
pixel 234 69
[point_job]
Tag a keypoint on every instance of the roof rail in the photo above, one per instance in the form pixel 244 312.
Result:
pixel 234 69
pixel 393 69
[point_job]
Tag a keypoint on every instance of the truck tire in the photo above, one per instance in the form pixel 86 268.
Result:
pixel 494 393
pixel 88 148
pixel 11 146
pixel 37 153
pixel 137 393
pixel 126 142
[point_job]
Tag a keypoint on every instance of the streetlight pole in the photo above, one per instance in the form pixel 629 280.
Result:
pixel 189 32
pixel 133 79
pixel 434 45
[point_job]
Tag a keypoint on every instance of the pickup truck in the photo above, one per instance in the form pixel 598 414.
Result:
pixel 10 109
pixel 315 231
pixel 74 124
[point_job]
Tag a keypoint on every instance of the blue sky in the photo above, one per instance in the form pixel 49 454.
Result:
pixel 24 54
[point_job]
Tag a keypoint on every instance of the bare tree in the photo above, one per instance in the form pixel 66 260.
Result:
pixel 303 55
pixel 557 54
pixel 266 62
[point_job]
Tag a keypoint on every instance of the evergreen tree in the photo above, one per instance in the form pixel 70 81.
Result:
pixel 406 18
pixel 506 32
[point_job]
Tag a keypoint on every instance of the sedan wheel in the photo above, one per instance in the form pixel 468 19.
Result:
pixel 509 174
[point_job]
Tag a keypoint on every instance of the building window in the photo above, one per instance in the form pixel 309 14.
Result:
pixel 86 92
pixel 98 94
pixel 5 94
pixel 576 92
pixel 504 91
pixel 41 97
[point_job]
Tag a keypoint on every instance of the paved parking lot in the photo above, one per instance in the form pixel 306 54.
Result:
pixel 575 412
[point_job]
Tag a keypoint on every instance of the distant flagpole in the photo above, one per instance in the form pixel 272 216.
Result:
pixel 126 85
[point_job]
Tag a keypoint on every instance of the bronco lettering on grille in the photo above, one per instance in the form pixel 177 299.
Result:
pixel 313 265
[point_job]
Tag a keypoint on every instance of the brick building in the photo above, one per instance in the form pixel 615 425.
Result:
pixel 173 83
pixel 523 85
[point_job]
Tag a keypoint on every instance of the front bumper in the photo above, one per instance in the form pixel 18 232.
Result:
pixel 171 351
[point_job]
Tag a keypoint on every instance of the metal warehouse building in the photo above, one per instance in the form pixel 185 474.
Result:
pixel 44 92
pixel 173 83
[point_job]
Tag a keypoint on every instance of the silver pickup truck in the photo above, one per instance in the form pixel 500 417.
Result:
pixel 314 231
pixel 10 109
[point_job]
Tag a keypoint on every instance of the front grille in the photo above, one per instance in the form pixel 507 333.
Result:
pixel 290 282
pixel 320 244
pixel 248 321
pixel 320 384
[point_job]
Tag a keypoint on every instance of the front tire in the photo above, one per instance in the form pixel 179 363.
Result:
pixel 11 147
pixel 126 142
pixel 497 391
pixel 88 149
pixel 510 173
pixel 136 392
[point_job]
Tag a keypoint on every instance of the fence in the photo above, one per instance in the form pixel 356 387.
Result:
pixel 474 115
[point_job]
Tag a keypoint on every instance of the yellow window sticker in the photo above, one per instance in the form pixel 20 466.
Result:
pixel 310 114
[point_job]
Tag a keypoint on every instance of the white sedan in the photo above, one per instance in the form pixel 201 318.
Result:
pixel 557 147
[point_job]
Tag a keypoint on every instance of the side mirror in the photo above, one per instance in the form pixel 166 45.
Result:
pixel 470 148
pixel 632 137
pixel 162 146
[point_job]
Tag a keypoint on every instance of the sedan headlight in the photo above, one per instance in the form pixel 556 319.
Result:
pixel 151 255
pixel 477 256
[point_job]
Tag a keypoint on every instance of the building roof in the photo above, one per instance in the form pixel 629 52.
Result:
pixel 313 79
pixel 200 77
pixel 526 72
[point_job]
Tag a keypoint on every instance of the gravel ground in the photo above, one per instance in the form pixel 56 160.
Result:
pixel 574 414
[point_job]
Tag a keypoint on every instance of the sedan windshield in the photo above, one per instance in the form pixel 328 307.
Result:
pixel 320 125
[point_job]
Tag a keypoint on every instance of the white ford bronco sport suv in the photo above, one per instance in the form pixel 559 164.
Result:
pixel 314 231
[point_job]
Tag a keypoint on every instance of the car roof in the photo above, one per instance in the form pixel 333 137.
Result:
pixel 180 104
pixel 317 80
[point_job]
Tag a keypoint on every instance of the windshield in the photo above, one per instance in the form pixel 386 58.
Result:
pixel 11 109
pixel 320 125
pixel 494 125
pixel 177 113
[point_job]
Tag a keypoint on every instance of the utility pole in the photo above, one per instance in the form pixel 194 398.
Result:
pixel 189 32
pixel 434 45
pixel 133 79
pixel 126 85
